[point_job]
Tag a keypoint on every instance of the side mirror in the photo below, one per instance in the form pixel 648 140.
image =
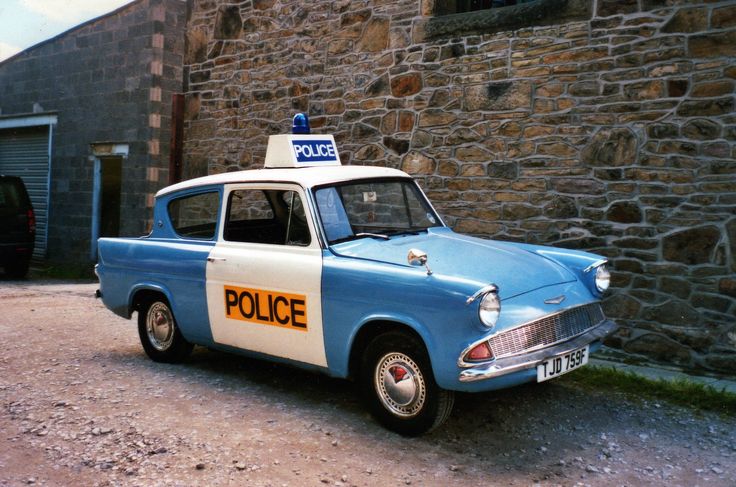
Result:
pixel 418 257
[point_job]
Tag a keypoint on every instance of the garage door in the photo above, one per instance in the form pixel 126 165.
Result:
pixel 24 152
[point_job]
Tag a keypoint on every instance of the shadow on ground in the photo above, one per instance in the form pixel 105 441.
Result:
pixel 527 429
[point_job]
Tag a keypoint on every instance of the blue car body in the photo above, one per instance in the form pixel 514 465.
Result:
pixel 316 297
pixel 366 281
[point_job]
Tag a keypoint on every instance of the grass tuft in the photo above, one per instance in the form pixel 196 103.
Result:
pixel 679 391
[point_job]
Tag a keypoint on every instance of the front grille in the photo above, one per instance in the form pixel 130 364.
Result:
pixel 547 331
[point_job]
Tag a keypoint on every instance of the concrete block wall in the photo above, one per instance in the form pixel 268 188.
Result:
pixel 109 80
pixel 600 125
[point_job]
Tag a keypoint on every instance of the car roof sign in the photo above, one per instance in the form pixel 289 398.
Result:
pixel 300 150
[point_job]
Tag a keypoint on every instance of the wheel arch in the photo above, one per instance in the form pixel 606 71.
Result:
pixel 372 328
pixel 143 292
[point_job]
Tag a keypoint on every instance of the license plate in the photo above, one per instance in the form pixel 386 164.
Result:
pixel 562 364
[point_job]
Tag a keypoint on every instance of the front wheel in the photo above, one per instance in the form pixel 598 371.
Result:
pixel 399 387
pixel 159 333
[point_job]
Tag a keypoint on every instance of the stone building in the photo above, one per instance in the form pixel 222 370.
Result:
pixel 603 125
pixel 85 119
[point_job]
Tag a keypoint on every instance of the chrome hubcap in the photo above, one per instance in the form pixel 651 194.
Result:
pixel 160 326
pixel 400 384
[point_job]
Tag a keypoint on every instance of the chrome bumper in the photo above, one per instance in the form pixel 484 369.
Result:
pixel 508 365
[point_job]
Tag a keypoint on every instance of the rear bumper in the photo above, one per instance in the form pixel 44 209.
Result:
pixel 517 363
pixel 14 250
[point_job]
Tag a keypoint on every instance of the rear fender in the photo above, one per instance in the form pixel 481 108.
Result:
pixel 152 287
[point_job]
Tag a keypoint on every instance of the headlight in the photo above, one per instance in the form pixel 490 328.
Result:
pixel 602 278
pixel 490 309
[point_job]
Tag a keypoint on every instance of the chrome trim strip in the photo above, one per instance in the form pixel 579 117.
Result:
pixel 555 300
pixel 429 203
pixel 594 265
pixel 491 288
pixel 516 363
pixel 311 203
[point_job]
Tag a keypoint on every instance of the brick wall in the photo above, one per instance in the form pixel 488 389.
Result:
pixel 605 125
pixel 110 80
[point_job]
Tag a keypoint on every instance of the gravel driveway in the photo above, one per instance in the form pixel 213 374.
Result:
pixel 81 405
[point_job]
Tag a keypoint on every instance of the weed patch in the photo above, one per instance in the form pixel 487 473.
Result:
pixel 682 392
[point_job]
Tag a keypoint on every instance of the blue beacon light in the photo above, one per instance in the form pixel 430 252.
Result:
pixel 300 124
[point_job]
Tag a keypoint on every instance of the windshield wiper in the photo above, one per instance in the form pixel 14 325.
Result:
pixel 382 236
pixel 406 232
pixel 374 235
pixel 359 235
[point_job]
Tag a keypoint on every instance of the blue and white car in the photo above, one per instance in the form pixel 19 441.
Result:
pixel 349 271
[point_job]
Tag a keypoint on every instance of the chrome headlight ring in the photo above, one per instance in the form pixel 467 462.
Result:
pixel 602 277
pixel 490 309
pixel 490 305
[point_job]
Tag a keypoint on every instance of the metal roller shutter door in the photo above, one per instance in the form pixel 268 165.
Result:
pixel 24 152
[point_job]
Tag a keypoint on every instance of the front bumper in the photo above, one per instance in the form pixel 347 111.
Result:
pixel 516 363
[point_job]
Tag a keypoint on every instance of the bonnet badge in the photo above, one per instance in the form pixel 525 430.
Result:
pixel 556 300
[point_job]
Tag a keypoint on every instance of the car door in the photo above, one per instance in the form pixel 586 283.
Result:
pixel 264 274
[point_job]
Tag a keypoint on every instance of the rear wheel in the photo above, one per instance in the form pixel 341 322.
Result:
pixel 159 333
pixel 399 387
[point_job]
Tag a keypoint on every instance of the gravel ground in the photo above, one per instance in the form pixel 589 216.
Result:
pixel 80 404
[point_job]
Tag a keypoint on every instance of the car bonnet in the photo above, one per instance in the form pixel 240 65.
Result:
pixel 514 270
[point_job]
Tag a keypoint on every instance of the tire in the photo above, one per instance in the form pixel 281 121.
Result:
pixel 398 385
pixel 18 268
pixel 160 336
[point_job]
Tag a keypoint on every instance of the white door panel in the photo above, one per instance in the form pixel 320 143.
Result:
pixel 267 298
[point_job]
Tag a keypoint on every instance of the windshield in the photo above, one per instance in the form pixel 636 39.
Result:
pixel 377 209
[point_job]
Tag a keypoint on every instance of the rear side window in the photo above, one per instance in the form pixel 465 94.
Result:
pixel 10 194
pixel 195 216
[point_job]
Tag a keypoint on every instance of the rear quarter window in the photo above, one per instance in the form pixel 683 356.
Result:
pixel 195 216
pixel 10 194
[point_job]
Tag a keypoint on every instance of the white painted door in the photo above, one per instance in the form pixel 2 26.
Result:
pixel 264 274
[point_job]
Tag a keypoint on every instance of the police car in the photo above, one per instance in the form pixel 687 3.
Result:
pixel 350 271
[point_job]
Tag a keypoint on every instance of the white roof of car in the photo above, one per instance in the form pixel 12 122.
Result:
pixel 306 177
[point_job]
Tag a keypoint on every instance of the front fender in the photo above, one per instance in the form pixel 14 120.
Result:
pixel 399 318
pixel 578 262
pixel 357 293
pixel 377 320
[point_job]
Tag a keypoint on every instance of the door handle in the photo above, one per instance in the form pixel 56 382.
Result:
pixel 215 259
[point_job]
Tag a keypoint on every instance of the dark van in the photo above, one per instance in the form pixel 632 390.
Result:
pixel 17 226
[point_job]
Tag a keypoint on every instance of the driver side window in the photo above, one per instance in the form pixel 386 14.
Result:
pixel 268 216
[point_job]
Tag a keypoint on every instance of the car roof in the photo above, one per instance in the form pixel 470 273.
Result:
pixel 307 177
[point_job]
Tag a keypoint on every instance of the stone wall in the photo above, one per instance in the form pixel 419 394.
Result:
pixel 109 80
pixel 609 128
